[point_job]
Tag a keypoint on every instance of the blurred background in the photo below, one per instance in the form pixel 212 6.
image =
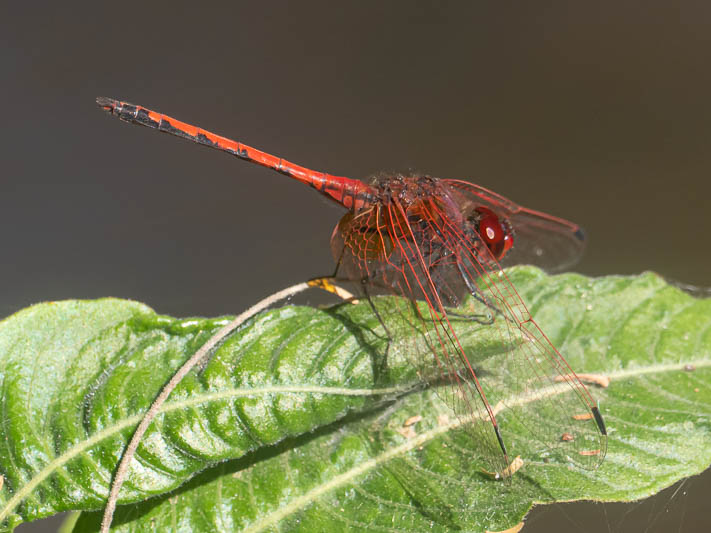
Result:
pixel 595 112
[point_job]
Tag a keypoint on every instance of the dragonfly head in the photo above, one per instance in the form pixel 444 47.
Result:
pixel 494 231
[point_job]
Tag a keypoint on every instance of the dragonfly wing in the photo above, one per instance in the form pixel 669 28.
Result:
pixel 552 243
pixel 545 405
pixel 411 287
pixel 470 335
pixel 439 350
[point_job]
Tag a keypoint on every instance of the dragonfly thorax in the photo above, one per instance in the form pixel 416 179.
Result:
pixel 408 231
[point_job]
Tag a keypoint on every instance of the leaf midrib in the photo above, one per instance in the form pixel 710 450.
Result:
pixel 423 438
pixel 340 480
pixel 173 406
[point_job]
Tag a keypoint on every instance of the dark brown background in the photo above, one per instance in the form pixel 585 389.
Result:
pixel 597 112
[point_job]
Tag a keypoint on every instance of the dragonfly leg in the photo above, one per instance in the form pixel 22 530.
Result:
pixel 485 320
pixel 476 294
pixel 380 368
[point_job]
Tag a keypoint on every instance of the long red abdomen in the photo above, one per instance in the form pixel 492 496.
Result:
pixel 350 193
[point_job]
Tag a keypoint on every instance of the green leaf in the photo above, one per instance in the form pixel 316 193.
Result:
pixel 292 401
pixel 76 377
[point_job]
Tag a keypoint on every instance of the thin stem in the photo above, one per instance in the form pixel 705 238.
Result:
pixel 130 451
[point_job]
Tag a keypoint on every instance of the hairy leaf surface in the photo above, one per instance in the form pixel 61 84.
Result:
pixel 290 425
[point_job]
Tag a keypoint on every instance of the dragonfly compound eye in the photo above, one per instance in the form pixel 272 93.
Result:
pixel 495 232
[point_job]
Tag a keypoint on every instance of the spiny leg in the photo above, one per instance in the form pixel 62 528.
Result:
pixel 484 320
pixel 380 368
pixel 475 293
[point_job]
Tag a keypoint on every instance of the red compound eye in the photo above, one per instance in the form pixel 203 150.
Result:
pixel 496 234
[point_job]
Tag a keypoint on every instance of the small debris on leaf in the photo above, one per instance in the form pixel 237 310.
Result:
pixel 412 420
pixel 590 379
pixel 509 471
pixel 584 416
pixel 589 452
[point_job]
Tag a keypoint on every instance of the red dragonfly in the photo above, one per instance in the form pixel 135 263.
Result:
pixel 439 245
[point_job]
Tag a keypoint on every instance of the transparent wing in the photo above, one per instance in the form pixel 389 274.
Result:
pixel 544 404
pixel 411 288
pixel 543 240
pixel 454 291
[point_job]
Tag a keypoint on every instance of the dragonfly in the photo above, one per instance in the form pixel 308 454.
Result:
pixel 438 246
